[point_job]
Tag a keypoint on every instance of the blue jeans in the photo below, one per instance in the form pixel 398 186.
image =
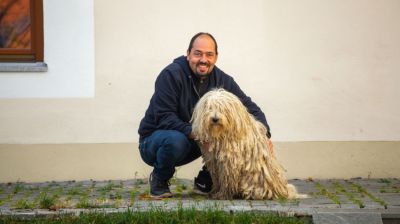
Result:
pixel 166 149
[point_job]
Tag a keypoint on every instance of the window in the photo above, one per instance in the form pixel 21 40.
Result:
pixel 21 31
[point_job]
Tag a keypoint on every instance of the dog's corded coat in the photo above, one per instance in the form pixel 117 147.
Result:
pixel 235 150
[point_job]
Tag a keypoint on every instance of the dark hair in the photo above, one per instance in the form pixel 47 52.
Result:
pixel 200 34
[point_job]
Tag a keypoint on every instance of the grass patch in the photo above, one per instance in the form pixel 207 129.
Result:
pixel 93 184
pixel 107 188
pixel 385 181
pixel 24 204
pixel 340 189
pixel 139 182
pixel 364 192
pixel 74 191
pixel 389 186
pixel 54 184
pixel 85 203
pixel 180 187
pixel 18 187
pixel 46 201
pixel 324 191
pixel 161 216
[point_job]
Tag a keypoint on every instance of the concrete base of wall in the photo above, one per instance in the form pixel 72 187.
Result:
pixel 47 162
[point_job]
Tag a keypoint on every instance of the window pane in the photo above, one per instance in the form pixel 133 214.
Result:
pixel 15 24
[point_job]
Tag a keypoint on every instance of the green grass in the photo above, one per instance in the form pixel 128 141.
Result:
pixel 18 187
pixel 364 191
pixel 384 180
pixel 389 186
pixel 24 204
pixel 45 200
pixel 107 188
pixel 74 191
pixel 330 195
pixel 118 195
pixel 161 216
pixel 340 189
pixel 93 184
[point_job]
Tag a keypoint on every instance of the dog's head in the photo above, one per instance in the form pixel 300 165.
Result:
pixel 219 114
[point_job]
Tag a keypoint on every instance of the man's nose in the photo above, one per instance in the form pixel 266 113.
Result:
pixel 203 58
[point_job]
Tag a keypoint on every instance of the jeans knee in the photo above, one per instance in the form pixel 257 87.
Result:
pixel 177 144
pixel 165 148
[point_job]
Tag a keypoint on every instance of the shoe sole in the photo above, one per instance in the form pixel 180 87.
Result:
pixel 165 195
pixel 197 191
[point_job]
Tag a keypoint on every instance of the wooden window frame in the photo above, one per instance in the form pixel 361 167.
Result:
pixel 35 54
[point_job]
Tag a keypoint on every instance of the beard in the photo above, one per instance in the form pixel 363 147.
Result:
pixel 204 74
pixel 201 76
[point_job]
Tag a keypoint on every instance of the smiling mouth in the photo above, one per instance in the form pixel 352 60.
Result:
pixel 203 67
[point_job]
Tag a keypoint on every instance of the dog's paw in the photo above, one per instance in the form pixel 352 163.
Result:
pixel 219 196
pixel 293 194
pixel 302 196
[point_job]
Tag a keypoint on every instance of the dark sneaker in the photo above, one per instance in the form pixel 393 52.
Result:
pixel 158 188
pixel 203 182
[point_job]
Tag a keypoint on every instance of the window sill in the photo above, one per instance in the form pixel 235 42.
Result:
pixel 23 67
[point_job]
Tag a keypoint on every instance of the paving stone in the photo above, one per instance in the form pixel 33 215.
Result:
pixel 318 203
pixel 271 202
pixel 393 207
pixel 119 195
pixel 350 218
pixel 392 198
pixel 289 210
pixel 374 206
pixel 240 208
pixel 316 200
pixel 349 206
pixel 312 206
pixel 257 203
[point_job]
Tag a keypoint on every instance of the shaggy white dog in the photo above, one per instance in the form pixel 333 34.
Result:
pixel 235 150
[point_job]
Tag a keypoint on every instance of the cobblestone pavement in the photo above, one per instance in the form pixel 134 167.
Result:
pixel 350 196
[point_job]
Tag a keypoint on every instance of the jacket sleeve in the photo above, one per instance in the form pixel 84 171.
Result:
pixel 250 105
pixel 165 101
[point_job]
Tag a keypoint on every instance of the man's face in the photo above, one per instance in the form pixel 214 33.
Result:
pixel 202 57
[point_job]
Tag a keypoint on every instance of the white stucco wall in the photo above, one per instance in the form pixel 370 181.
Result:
pixel 68 51
pixel 320 70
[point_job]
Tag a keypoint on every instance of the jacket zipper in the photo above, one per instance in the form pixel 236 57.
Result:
pixel 194 87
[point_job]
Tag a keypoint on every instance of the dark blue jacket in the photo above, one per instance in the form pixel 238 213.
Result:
pixel 175 96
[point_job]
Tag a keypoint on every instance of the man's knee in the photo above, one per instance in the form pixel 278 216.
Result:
pixel 169 146
pixel 177 143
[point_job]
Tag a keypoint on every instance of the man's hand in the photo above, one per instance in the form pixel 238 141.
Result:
pixel 205 146
pixel 191 136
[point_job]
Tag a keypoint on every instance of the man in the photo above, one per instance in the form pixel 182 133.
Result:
pixel 166 138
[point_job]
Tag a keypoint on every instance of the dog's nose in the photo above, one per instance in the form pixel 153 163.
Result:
pixel 215 119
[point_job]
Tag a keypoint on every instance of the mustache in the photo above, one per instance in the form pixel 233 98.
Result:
pixel 203 63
